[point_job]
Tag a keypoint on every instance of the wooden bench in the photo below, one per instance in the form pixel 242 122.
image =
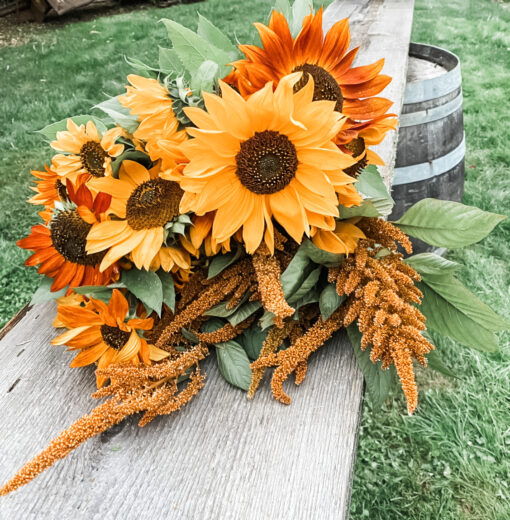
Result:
pixel 222 456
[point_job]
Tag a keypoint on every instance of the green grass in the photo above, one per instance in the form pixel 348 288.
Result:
pixel 450 461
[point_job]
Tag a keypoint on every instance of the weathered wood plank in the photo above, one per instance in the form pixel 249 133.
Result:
pixel 221 456
pixel 383 29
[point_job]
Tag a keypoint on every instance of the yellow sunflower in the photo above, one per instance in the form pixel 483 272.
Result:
pixel 159 128
pixel 200 234
pixel 103 336
pixel 143 204
pixel 86 151
pixel 341 240
pixel 268 156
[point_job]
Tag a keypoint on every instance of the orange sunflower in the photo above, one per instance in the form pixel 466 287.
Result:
pixel 321 57
pixel 59 246
pixel 103 335
pixel 49 188
pixel 86 151
pixel 341 240
pixel 159 128
pixel 144 204
pixel 270 155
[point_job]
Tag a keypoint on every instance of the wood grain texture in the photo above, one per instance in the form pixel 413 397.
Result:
pixel 221 457
pixel 383 29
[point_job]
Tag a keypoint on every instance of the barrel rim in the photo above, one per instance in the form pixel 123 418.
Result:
pixel 427 89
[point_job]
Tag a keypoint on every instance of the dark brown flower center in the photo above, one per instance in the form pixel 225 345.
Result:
pixel 325 85
pixel 267 162
pixel 355 148
pixel 114 337
pixel 61 190
pixel 92 157
pixel 69 237
pixel 153 204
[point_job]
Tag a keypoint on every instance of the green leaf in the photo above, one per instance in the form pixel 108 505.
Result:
pixel 193 50
pixel 208 31
pixel 443 223
pixel 168 285
pixel 204 77
pixel 329 301
pixel 169 62
pixel 219 310
pixel 446 319
pixel 141 67
pixel 252 339
pixel 283 6
pixel 319 256
pixel 296 272
pixel 300 9
pixel 99 292
pixel 212 325
pixel 243 312
pixel 130 155
pixel 431 264
pixel 189 335
pixel 377 202
pixel 119 114
pixel 146 286
pixel 435 362
pixel 311 296
pixel 267 320
pixel 43 292
pixel 50 131
pixel 307 286
pixel 220 262
pixel 234 364
pixel 378 381
pixel 365 209
pixel 452 290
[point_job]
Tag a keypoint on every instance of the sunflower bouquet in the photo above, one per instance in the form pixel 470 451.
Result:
pixel 229 202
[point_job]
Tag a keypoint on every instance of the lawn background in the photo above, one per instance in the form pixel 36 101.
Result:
pixel 451 460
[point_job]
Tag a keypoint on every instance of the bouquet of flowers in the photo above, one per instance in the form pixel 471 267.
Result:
pixel 228 203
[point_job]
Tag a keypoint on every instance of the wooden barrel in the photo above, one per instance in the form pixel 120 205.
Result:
pixel 431 145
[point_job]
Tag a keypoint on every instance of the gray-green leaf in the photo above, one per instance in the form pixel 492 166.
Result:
pixel 377 202
pixel 378 381
pixel 43 292
pixel 308 285
pixel 221 262
pixel 146 286
pixel 119 114
pixel 432 264
pixel 208 31
pixel 443 223
pixel 50 131
pixel 193 50
pixel 243 312
pixel 168 285
pixel 329 301
pixel 169 62
pixel 252 340
pixel 234 364
pixel 455 319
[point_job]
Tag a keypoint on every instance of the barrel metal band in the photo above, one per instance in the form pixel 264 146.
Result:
pixel 423 171
pixel 432 114
pixel 432 88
